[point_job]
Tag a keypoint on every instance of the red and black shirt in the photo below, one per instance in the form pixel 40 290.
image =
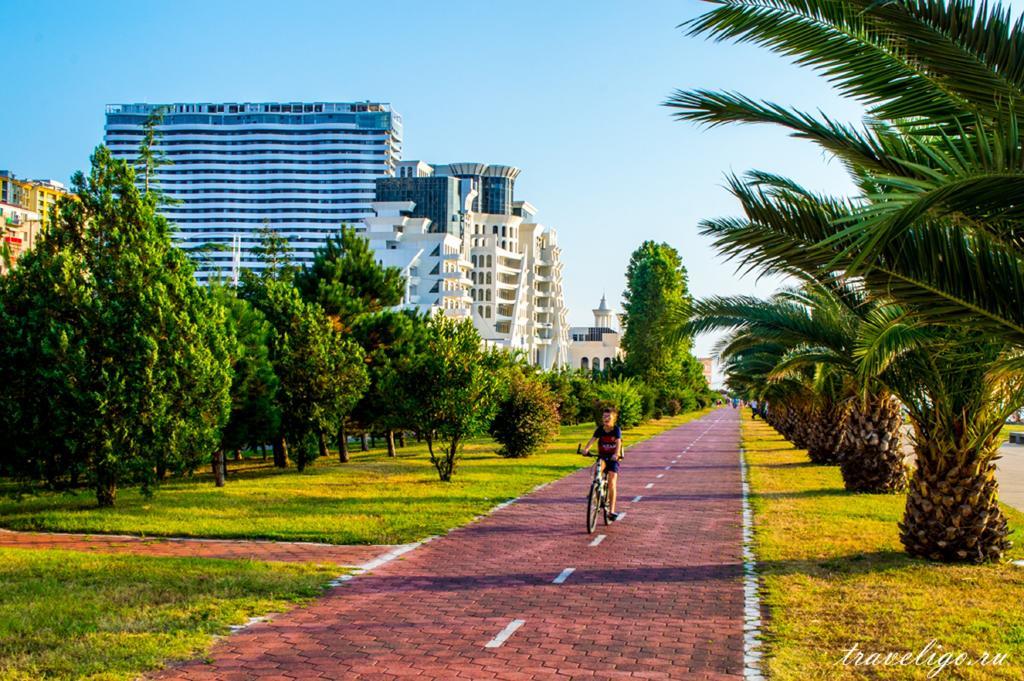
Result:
pixel 608 441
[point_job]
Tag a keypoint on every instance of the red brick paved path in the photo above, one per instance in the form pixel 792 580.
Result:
pixel 659 597
pixel 288 552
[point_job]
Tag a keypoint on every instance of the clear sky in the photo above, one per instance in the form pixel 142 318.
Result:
pixel 569 91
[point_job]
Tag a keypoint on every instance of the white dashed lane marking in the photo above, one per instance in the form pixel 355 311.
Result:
pixel 505 633
pixel 597 540
pixel 563 575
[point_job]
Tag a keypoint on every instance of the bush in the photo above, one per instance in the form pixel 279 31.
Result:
pixel 658 414
pixel 527 418
pixel 673 407
pixel 622 395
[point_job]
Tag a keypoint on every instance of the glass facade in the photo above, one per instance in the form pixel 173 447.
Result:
pixel 436 197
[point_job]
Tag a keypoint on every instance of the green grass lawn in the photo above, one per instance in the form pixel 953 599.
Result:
pixel 70 615
pixel 372 499
pixel 835 574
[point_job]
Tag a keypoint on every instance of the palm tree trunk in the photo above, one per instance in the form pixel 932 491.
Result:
pixel 952 512
pixel 827 432
pixel 873 459
pixel 391 442
pixel 365 444
pixel 321 441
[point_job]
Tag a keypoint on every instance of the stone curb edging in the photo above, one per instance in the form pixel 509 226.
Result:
pixel 752 653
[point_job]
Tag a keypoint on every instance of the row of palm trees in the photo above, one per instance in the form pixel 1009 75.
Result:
pixel 911 293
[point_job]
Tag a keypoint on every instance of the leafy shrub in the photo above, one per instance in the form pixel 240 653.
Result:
pixel 622 395
pixel 658 414
pixel 687 400
pixel 673 407
pixel 527 418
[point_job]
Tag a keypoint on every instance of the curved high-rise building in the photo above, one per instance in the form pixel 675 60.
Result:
pixel 303 168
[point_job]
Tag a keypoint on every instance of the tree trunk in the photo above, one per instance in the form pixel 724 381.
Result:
pixel 952 512
pixel 263 450
pixel 321 441
pixel 280 452
pixel 401 439
pixel 342 444
pixel 106 488
pixel 238 455
pixel 365 442
pixel 218 468
pixel 373 440
pixel 873 459
pixel 827 432
pixel 391 443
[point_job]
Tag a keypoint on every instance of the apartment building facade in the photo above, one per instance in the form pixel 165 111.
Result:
pixel 301 168
pixel 503 269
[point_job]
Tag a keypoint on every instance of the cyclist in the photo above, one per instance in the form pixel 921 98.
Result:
pixel 609 449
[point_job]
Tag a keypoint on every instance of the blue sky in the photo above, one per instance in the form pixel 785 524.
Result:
pixel 568 91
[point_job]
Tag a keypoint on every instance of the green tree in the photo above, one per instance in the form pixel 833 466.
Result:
pixel 274 252
pixel 527 417
pixel 347 281
pixel 391 341
pixel 132 353
pixel 624 396
pixel 151 158
pixel 451 388
pixel 321 373
pixel 656 288
pixel 255 417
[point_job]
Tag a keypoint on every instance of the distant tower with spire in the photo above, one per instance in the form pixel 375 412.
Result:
pixel 603 316
pixel 593 348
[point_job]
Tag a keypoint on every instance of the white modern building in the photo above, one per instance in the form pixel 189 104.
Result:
pixel 434 221
pixel 303 168
pixel 435 264
pixel 593 348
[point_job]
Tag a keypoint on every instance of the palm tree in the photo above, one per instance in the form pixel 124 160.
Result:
pixel 857 423
pixel 940 152
pixel 935 228
pixel 959 389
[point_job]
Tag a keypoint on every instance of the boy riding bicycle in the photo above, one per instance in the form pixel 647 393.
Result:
pixel 609 450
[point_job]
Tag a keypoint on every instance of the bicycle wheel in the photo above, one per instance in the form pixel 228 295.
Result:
pixel 593 505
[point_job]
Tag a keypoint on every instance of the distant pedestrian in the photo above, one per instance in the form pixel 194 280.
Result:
pixel 753 409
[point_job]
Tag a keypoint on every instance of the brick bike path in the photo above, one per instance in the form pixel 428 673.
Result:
pixel 660 597
pixel 273 551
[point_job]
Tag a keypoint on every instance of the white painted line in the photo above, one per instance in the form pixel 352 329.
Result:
pixel 597 540
pixel 649 485
pixel 660 475
pixel 622 515
pixel 563 575
pixel 668 468
pixel 391 555
pixel 637 498
pixel 504 634
pixel 751 601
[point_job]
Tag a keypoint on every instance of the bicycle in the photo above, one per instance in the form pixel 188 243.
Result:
pixel 597 497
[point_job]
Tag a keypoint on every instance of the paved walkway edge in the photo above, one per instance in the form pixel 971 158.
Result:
pixel 751 600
